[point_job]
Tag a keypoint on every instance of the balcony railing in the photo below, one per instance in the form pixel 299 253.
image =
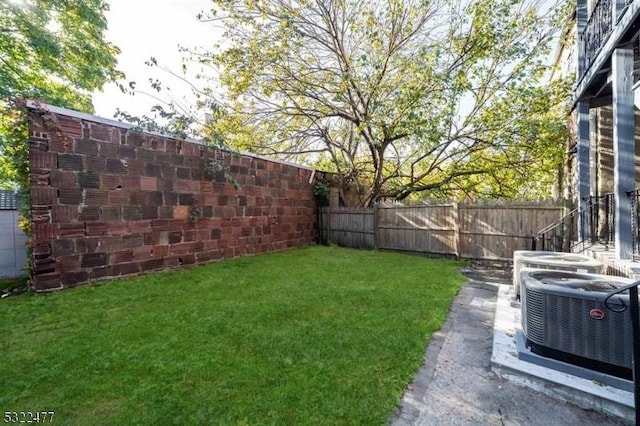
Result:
pixel 597 30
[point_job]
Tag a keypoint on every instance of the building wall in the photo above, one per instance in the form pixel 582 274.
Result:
pixel 601 153
pixel 108 201
pixel 602 150
pixel 13 241
pixel 565 65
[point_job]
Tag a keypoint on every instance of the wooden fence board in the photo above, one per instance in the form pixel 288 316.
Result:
pixel 489 231
pixel 349 227
pixel 419 228
pixel 493 231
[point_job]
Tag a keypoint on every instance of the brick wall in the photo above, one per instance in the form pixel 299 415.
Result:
pixel 108 201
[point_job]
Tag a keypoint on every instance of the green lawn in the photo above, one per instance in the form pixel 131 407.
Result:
pixel 318 335
pixel 9 283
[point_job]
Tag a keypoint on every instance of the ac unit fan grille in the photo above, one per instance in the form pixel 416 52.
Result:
pixel 562 322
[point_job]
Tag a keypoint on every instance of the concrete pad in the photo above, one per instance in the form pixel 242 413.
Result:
pixel 585 393
pixel 456 384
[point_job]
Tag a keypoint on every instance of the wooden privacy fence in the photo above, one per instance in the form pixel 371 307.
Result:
pixel 348 227
pixel 485 231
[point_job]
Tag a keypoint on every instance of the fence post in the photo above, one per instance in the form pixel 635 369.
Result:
pixel 458 243
pixel 375 225
pixel 328 225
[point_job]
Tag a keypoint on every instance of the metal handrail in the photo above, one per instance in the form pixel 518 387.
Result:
pixel 559 235
pixel 596 216
pixel 557 222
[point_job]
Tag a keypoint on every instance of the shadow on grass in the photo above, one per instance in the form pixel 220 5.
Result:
pixel 9 284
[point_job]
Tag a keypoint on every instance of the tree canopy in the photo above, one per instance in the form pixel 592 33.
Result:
pixel 397 97
pixel 53 51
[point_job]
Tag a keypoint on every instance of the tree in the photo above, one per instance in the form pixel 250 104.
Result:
pixel 398 97
pixel 53 51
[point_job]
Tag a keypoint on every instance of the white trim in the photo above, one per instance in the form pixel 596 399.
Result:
pixel 42 106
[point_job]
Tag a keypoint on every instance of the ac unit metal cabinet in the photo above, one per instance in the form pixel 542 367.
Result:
pixel 564 312
pixel 552 261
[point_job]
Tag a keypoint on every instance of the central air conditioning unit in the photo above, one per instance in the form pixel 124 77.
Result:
pixel 552 260
pixel 564 317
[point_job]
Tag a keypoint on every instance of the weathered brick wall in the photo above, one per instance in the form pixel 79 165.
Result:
pixel 108 201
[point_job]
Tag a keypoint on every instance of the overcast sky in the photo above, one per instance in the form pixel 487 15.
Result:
pixel 145 28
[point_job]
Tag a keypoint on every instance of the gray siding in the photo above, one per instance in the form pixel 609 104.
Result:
pixel 13 242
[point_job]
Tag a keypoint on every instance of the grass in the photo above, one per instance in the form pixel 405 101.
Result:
pixel 318 335
pixel 10 283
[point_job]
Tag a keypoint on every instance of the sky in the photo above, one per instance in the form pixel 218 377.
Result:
pixel 145 28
